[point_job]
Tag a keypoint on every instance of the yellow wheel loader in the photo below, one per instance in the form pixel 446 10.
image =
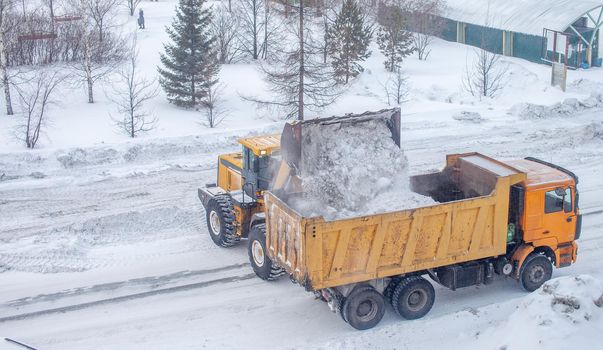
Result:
pixel 231 202
pixel 234 205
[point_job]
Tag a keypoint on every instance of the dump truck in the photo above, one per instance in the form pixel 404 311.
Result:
pixel 514 218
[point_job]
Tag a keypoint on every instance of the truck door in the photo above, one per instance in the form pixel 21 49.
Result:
pixel 559 215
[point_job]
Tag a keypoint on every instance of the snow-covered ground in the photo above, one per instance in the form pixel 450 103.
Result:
pixel 103 243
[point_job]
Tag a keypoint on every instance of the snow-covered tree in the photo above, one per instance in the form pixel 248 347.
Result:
pixel 349 40
pixel 189 64
pixel 393 40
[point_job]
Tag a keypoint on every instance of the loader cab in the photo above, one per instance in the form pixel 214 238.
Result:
pixel 259 159
pixel 550 214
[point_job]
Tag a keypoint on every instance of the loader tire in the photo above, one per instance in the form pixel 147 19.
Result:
pixel 535 270
pixel 413 297
pixel 363 308
pixel 220 221
pixel 262 265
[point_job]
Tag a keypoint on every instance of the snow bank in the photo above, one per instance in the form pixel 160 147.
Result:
pixel 565 313
pixel 185 150
pixel 566 109
pixel 351 170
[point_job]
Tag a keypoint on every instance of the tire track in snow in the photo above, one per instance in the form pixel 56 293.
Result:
pixel 129 297
pixel 112 286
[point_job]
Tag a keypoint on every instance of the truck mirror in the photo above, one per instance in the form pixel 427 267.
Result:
pixel 560 192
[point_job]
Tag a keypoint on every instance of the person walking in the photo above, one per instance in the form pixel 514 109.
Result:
pixel 140 19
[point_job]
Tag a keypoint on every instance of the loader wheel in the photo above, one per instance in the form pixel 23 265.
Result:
pixel 261 263
pixel 363 308
pixel 535 270
pixel 220 221
pixel 413 297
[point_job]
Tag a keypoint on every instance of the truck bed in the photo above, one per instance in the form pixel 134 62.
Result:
pixel 469 223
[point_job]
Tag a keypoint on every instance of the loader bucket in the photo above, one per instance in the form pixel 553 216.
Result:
pixel 291 138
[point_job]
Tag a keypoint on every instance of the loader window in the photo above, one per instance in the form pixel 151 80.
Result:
pixel 558 200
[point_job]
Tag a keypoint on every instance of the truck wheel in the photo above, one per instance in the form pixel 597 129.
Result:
pixel 261 263
pixel 389 290
pixel 363 308
pixel 535 270
pixel 413 297
pixel 220 221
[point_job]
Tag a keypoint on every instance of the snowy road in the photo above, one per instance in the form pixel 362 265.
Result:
pixel 113 254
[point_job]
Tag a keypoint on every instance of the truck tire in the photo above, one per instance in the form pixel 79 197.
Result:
pixel 413 297
pixel 389 290
pixel 220 221
pixel 363 308
pixel 262 265
pixel 535 270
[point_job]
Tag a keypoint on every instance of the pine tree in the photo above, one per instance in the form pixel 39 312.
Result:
pixel 395 42
pixel 190 62
pixel 349 39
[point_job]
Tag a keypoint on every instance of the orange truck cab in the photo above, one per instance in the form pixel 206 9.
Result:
pixel 546 218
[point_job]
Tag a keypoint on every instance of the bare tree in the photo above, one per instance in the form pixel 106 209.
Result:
pixel 131 91
pixel 396 88
pixel 98 58
pixel 297 76
pixel 212 106
pixel 99 12
pixel 485 77
pixel 425 23
pixel 259 28
pixel 132 4
pixel 35 96
pixel 5 7
pixel 251 18
pixel 225 27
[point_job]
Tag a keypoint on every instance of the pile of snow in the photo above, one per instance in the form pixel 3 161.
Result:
pixel 353 170
pixel 565 313
pixel 568 108
pixel 583 84
pixel 471 117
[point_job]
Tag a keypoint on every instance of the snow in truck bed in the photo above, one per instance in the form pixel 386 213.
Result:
pixel 354 170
